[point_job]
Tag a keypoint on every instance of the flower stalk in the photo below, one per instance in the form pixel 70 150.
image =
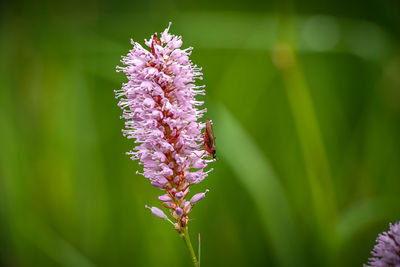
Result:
pixel 186 239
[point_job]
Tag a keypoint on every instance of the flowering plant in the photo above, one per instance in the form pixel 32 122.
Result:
pixel 387 250
pixel 162 114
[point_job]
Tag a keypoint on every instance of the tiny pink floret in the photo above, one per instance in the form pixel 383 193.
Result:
pixel 157 212
pixel 198 197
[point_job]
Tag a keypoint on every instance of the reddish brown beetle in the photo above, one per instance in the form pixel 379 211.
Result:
pixel 209 139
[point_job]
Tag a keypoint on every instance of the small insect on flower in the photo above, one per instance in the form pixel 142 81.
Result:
pixel 209 139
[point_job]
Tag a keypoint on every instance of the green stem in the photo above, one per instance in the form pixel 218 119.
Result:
pixel 186 238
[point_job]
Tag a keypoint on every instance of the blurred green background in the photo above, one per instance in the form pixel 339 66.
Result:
pixel 305 99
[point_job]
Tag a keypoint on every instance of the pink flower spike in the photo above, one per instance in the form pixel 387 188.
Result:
pixel 163 117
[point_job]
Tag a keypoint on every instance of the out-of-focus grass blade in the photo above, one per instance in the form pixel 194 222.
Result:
pixel 315 158
pixel 237 148
pixel 310 136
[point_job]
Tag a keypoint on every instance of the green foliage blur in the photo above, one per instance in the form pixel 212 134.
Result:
pixel 305 99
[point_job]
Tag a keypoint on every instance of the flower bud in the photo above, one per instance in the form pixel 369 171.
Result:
pixel 179 195
pixel 157 212
pixel 198 196
pixel 164 198
pixel 179 211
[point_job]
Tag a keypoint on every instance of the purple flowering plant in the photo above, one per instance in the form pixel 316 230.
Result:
pixel 162 115
pixel 387 250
